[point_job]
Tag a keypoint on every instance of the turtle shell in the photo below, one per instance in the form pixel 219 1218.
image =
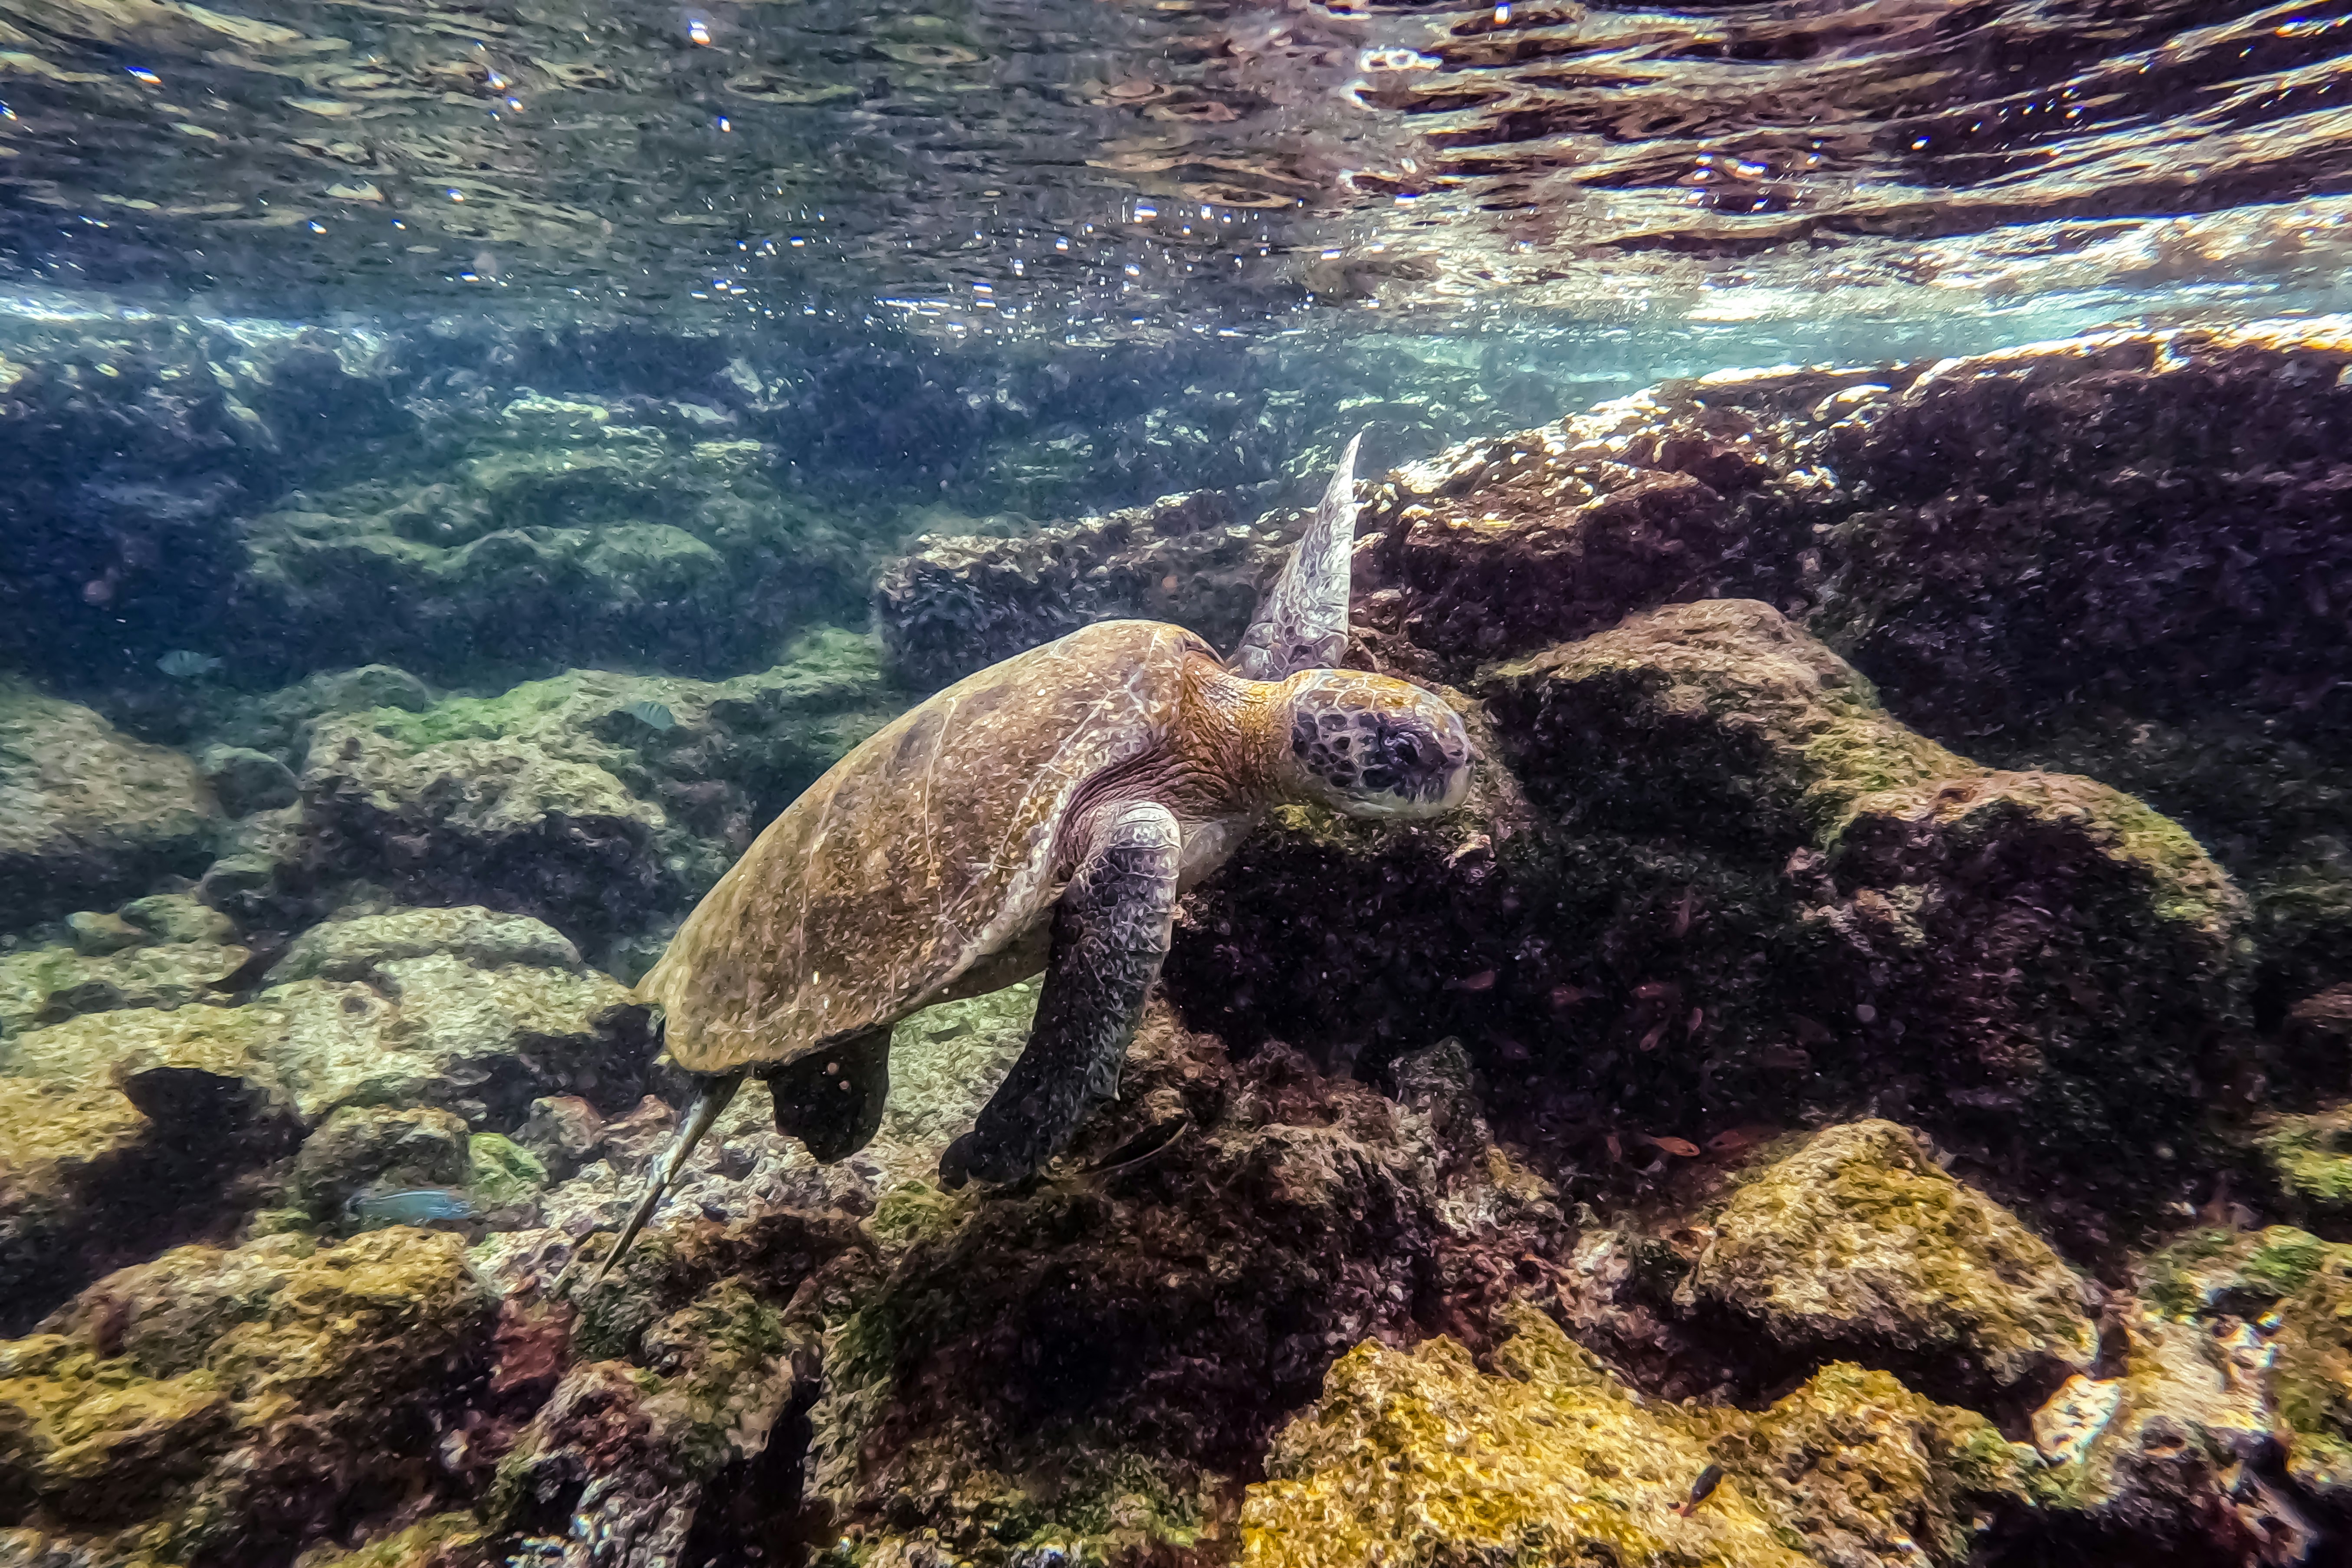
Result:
pixel 928 849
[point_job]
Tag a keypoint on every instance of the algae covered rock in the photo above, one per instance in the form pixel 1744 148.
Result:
pixel 1419 1458
pixel 563 799
pixel 1861 1243
pixel 79 1168
pixel 48 985
pixel 87 812
pixel 1156 1308
pixel 224 1406
pixel 2310 1157
pixel 359 1147
pixel 1729 888
pixel 419 1026
pixel 552 541
pixel 356 947
pixel 958 604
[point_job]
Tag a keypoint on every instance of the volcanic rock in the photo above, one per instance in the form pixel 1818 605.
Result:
pixel 1420 1456
pixel 86 813
pixel 1860 1244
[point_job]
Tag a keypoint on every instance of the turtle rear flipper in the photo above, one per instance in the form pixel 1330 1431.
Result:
pixel 1111 933
pixel 716 1090
pixel 832 1100
pixel 1302 623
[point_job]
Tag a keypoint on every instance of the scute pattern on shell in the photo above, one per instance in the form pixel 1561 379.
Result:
pixel 927 849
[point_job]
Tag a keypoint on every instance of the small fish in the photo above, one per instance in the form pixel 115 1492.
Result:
pixel 1482 981
pixel 416 1206
pixel 1684 910
pixel 1680 1148
pixel 182 664
pixel 652 715
pixel 1708 1479
pixel 1734 1138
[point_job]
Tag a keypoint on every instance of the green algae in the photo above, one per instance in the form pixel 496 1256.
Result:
pixel 499 1170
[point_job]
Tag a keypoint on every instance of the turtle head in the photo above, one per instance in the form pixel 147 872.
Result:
pixel 1370 745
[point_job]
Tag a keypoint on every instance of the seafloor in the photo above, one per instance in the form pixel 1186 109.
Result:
pixel 1864 1083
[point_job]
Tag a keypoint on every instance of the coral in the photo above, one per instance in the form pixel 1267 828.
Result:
pixel 219 1408
pixel 1419 1457
pixel 1861 1243
pixel 87 812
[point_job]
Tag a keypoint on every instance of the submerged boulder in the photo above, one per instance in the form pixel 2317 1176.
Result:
pixel 457 1009
pixel 223 1408
pixel 1860 1244
pixel 1734 890
pixel 1419 1456
pixel 599 802
pixel 87 814
pixel 960 603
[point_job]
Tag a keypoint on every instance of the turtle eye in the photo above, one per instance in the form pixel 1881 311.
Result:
pixel 1408 750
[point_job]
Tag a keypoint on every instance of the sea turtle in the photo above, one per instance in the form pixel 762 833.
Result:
pixel 1041 815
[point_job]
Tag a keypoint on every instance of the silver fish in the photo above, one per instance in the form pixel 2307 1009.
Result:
pixel 416 1206
pixel 653 715
pixel 182 664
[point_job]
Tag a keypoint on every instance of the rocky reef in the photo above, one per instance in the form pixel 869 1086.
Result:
pixel 1866 1079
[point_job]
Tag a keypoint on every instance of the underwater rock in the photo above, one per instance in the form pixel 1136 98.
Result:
pixel 231 1406
pixel 2236 1359
pixel 562 1133
pixel 1421 1456
pixel 246 781
pixel 379 1146
pixel 556 800
pixel 1733 892
pixel 48 985
pixel 957 604
pixel 1086 1365
pixel 1496 548
pixel 73 1163
pixel 353 948
pixel 87 814
pixel 179 918
pixel 1861 1245
pixel 2055 958
pixel 555 536
pixel 122 467
pixel 434 1029
pixel 2310 1159
pixel 2151 518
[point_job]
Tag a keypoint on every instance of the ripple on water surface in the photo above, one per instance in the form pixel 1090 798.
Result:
pixel 1101 167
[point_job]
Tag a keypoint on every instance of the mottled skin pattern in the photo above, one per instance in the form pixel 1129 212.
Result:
pixel 1303 625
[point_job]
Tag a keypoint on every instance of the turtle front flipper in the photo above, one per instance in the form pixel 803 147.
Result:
pixel 1111 933
pixel 832 1099
pixel 1302 623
